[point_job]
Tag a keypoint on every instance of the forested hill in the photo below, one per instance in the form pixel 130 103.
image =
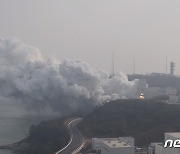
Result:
pixel 146 120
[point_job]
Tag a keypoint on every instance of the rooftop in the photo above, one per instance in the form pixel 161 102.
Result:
pixel 111 139
pixel 158 143
pixel 116 144
pixel 175 134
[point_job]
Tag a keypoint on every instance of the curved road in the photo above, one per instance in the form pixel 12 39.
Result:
pixel 76 140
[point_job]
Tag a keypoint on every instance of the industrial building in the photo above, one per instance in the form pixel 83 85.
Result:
pixel 121 145
pixel 158 148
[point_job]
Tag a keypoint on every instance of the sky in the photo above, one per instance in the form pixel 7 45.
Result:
pixel 92 30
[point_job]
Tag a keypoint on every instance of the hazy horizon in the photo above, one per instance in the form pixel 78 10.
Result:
pixel 92 30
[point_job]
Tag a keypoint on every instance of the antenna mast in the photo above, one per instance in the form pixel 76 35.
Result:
pixel 134 63
pixel 112 64
pixel 166 64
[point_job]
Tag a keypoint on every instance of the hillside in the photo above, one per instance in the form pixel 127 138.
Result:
pixel 44 138
pixel 146 120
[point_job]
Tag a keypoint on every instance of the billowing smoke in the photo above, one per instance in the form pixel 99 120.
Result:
pixel 41 84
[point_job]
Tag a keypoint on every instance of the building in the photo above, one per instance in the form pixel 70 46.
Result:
pixel 155 148
pixel 100 144
pixel 96 143
pixel 158 148
pixel 116 147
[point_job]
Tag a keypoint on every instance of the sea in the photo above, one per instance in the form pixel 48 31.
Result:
pixel 14 126
pixel 15 129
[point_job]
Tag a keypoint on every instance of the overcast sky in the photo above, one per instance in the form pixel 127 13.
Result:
pixel 92 29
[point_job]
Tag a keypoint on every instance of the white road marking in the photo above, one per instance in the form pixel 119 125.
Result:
pixel 71 138
pixel 81 146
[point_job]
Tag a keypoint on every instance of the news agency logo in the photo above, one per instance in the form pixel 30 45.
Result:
pixel 172 144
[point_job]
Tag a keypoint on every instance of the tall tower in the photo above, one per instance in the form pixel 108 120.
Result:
pixel 172 68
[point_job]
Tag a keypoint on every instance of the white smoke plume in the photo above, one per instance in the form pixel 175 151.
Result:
pixel 27 77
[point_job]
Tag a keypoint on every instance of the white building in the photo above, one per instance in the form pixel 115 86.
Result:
pixel 116 147
pixel 173 136
pixel 99 144
pixel 158 148
pixel 155 148
pixel 96 143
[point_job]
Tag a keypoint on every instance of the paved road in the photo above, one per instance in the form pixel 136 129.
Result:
pixel 76 139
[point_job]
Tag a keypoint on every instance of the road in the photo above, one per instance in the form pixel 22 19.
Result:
pixel 76 139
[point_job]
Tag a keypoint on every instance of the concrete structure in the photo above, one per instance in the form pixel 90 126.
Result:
pixel 158 148
pixel 155 148
pixel 116 147
pixel 173 136
pixel 99 144
pixel 96 143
